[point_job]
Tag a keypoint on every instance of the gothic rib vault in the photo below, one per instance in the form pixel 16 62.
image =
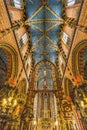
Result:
pixel 43 84
pixel 44 18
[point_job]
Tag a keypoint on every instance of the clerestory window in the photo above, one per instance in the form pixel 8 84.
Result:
pixel 15 3
pixel 23 40
pixel 66 38
pixel 72 2
pixel 18 3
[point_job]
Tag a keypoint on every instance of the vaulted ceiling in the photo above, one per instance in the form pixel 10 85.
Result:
pixel 44 27
pixel 44 18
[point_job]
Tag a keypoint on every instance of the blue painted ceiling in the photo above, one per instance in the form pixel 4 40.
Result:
pixel 44 19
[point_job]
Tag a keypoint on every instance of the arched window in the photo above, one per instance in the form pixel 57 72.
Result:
pixel 16 3
pixel 72 2
pixel 23 40
pixel 66 38
pixel 83 62
pixel 79 60
pixel 3 66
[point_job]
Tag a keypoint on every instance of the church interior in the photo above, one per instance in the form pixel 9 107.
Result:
pixel 43 64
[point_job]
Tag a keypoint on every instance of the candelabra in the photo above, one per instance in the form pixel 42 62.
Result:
pixel 8 102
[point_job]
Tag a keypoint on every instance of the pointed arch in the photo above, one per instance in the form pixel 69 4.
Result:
pixel 54 75
pixel 13 58
pixel 79 59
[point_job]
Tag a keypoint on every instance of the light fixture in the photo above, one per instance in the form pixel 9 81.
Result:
pixel 7 106
pixel 4 102
pixel 82 104
pixel 9 102
pixel 56 123
pixel 35 122
pixel 15 103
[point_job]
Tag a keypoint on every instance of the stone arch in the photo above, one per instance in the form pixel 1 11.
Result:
pixel 78 59
pixel 53 68
pixel 12 56
pixel 45 61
